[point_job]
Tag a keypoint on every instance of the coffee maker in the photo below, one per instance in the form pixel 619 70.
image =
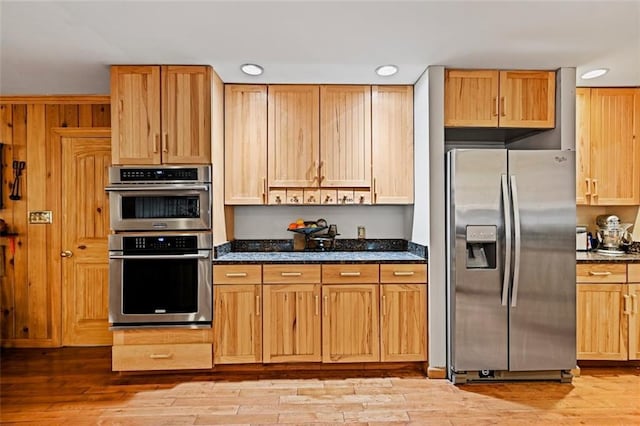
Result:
pixel 613 236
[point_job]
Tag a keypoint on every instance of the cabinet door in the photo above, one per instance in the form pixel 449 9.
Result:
pixel 471 98
pixel 237 324
pixel 245 144
pixel 186 114
pixel 633 308
pixel 291 323
pixel 350 323
pixel 135 114
pixel 583 147
pixel 403 314
pixel 345 136
pixel 392 144
pixel 293 136
pixel 601 323
pixel 615 159
pixel 527 99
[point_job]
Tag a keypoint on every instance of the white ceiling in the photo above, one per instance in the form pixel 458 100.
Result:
pixel 57 47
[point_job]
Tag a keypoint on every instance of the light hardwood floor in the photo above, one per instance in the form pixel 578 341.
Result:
pixel 74 386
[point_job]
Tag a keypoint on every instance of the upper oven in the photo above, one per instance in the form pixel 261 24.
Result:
pixel 150 198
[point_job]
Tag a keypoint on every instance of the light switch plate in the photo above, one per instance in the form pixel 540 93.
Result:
pixel 41 216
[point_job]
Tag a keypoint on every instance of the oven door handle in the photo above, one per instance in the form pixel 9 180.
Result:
pixel 159 256
pixel 152 187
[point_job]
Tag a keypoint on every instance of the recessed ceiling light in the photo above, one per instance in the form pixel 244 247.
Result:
pixel 252 69
pixel 386 70
pixel 594 73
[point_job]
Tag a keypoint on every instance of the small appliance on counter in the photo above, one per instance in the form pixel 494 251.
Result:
pixel 582 238
pixel 613 236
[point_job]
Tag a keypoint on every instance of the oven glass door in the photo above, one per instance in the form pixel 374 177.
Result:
pixel 148 289
pixel 186 207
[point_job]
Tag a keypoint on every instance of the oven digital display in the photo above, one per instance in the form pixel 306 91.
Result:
pixel 160 244
pixel 155 175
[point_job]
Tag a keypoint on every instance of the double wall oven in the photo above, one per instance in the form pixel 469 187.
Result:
pixel 160 255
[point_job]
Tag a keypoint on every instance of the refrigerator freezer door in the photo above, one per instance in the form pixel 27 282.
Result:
pixel 542 316
pixel 477 319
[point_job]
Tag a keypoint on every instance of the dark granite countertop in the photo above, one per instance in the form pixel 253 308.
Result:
pixel 594 257
pixel 346 251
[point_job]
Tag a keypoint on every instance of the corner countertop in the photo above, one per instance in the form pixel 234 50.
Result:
pixel 320 257
pixel 594 257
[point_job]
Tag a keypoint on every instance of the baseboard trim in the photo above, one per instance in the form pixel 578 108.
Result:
pixel 436 372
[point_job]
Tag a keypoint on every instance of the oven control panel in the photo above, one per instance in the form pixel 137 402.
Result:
pixel 158 174
pixel 160 244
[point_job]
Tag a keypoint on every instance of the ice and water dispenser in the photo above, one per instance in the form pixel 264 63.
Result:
pixel 481 246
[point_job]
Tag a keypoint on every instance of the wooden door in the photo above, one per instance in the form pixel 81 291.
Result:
pixel 527 99
pixel 403 317
pixel 245 143
pixel 291 328
pixel 293 136
pixel 186 114
pixel 583 147
pixel 633 309
pixel 471 98
pixel 615 152
pixel 392 144
pixel 237 324
pixel 85 226
pixel 601 322
pixel 135 114
pixel 350 330
pixel 345 136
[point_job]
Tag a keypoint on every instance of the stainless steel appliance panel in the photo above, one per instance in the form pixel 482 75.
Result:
pixel 543 296
pixel 477 318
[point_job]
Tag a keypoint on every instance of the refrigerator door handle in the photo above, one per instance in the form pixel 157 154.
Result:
pixel 516 226
pixel 507 232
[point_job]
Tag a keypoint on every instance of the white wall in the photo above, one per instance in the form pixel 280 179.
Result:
pixel 270 222
pixel 420 232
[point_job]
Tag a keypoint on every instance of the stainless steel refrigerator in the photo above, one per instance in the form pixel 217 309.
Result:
pixel 511 268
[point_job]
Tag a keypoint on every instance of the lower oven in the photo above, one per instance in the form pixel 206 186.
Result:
pixel 160 279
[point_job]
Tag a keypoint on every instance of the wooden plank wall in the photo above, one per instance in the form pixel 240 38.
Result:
pixel 29 309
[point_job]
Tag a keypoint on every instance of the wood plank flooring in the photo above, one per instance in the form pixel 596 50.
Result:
pixel 74 386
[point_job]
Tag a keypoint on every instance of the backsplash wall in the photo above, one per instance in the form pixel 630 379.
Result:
pixel 270 222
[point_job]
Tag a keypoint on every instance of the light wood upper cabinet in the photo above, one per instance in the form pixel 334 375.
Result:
pixel 345 136
pixel 527 99
pixel 471 98
pixel 614 168
pixel 392 144
pixel 293 135
pixel 161 114
pixel 245 142
pixel 350 331
pixel 583 150
pixel 135 114
pixel 490 98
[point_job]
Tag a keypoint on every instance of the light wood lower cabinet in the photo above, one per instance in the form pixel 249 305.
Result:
pixel 403 318
pixel 161 349
pixel 608 315
pixel 350 323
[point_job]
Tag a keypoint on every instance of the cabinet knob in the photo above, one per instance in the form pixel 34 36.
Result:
pixel 66 253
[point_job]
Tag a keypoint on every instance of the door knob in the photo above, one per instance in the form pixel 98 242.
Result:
pixel 66 253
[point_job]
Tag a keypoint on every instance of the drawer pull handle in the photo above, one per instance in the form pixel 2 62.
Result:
pixel 160 356
pixel 235 274
pixel 403 273
pixel 627 308
pixel 291 274
pixel 349 274
pixel 325 305
pixel 600 273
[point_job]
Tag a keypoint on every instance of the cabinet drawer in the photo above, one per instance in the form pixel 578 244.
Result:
pixel 350 274
pixel 601 273
pixel 403 273
pixel 291 274
pixel 237 274
pixel 161 357
pixel 634 272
